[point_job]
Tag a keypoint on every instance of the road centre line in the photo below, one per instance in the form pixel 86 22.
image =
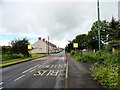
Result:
pixel 19 77
pixel 30 69
pixel 1 83
pixel 1 88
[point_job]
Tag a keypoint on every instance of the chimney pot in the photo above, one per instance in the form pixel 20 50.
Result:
pixel 39 38
pixel 43 39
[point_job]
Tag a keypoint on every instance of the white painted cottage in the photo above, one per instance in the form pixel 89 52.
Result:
pixel 42 46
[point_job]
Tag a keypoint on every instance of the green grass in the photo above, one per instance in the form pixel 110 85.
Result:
pixel 15 61
pixel 85 56
pixel 7 57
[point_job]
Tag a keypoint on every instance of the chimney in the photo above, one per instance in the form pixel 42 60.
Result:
pixel 39 38
pixel 43 40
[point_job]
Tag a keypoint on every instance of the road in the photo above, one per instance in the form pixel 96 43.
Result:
pixel 45 72
pixel 49 72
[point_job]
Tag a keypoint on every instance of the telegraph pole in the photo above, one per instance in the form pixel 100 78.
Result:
pixel 48 44
pixel 98 24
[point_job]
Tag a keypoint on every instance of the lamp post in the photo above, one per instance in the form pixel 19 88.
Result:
pixel 98 24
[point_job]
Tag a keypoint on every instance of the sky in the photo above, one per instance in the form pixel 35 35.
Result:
pixel 61 20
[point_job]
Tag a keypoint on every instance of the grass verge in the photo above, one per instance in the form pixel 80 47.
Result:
pixel 15 61
pixel 105 68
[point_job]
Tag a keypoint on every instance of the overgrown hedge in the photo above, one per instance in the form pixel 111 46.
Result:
pixel 11 56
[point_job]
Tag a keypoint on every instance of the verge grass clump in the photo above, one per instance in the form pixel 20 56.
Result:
pixel 106 71
pixel 85 56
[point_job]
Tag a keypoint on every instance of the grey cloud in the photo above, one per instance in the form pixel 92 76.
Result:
pixel 62 20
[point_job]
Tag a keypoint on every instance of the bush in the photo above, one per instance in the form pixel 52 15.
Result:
pixel 85 57
pixel 11 56
pixel 72 52
pixel 106 71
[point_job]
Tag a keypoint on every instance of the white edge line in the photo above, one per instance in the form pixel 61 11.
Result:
pixel 66 70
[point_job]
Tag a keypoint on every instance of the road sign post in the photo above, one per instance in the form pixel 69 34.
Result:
pixel 75 45
pixel 30 48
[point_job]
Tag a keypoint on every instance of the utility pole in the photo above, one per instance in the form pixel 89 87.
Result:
pixel 48 44
pixel 98 24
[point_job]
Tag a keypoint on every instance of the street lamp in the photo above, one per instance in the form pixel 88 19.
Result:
pixel 98 24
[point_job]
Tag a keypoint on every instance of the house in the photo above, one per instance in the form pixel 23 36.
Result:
pixel 42 46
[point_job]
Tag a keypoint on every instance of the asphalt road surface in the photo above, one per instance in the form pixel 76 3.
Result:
pixel 48 72
pixel 45 72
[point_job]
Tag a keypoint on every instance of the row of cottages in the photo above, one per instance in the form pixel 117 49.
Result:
pixel 42 46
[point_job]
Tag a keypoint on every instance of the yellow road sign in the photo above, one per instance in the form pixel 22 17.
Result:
pixel 75 45
pixel 30 46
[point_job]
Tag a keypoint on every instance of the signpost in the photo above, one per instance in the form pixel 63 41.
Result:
pixel 75 45
pixel 30 48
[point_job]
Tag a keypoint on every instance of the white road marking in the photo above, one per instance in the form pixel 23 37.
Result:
pixel 60 66
pixel 49 73
pixel 66 75
pixel 19 77
pixel 1 88
pixel 47 66
pixel 30 69
pixel 54 72
pixel 51 66
pixel 40 73
pixel 39 66
pixel 44 71
pixel 1 83
pixel 55 66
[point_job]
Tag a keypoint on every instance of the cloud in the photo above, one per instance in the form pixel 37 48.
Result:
pixel 61 20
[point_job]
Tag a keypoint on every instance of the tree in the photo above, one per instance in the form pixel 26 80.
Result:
pixel 93 34
pixel 69 47
pixel 115 29
pixel 82 41
pixel 20 47
pixel 109 31
pixel 6 50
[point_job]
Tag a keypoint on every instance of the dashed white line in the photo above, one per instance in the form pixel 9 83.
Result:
pixel 19 77
pixel 30 69
pixel 1 83
pixel 1 88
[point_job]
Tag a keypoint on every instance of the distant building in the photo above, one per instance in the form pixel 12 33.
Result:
pixel 119 10
pixel 42 46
